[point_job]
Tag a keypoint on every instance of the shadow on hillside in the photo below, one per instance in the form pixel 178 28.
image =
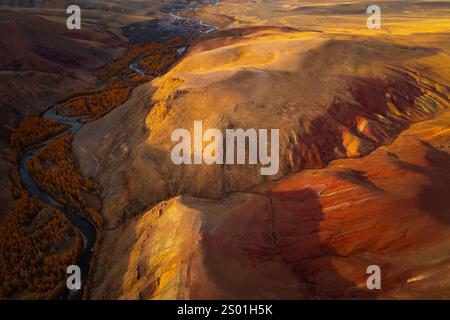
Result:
pixel 298 215
pixel 433 197
pixel 275 251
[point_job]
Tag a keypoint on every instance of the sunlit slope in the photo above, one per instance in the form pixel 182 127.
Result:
pixel 330 98
pixel 311 235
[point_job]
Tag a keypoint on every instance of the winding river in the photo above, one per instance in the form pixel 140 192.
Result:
pixel 85 227
pixel 80 222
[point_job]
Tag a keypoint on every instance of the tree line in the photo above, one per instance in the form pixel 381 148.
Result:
pixel 55 170
pixel 32 129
